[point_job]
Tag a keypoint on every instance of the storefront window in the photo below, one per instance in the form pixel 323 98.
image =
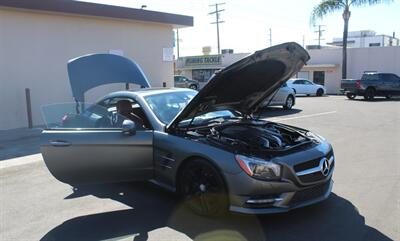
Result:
pixel 319 77
pixel 202 75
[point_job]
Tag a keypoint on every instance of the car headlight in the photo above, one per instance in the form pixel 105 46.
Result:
pixel 259 168
pixel 315 137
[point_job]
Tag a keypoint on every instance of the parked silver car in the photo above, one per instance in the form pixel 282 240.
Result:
pixel 183 82
pixel 207 146
pixel 284 97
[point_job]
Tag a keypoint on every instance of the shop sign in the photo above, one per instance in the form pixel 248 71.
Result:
pixel 203 60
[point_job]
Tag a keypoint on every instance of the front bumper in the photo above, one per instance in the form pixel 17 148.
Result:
pixel 284 202
pixel 302 183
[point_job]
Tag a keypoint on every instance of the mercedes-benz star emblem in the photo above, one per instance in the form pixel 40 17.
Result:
pixel 325 167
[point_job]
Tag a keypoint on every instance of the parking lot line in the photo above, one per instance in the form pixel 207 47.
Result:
pixel 304 116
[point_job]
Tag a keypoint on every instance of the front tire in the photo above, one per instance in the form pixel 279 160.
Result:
pixel 320 92
pixel 193 87
pixel 203 188
pixel 289 103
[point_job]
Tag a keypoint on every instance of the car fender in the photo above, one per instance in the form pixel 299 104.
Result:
pixel 171 151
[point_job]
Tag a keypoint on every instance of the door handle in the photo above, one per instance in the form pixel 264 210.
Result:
pixel 60 143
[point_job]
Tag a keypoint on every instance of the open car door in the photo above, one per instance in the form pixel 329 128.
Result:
pixel 95 145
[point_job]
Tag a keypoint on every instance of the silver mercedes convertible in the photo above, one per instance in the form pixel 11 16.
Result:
pixel 207 146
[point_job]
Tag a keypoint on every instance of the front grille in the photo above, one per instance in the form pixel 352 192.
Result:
pixel 306 165
pixel 316 176
pixel 310 164
pixel 310 193
pixel 312 177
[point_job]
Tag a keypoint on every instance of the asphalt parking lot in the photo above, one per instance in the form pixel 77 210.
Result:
pixel 364 205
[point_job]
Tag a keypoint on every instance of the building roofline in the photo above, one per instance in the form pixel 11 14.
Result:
pixel 340 42
pixel 386 35
pixel 355 48
pixel 100 10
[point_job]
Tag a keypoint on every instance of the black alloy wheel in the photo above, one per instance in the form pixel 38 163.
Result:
pixel 351 96
pixel 203 189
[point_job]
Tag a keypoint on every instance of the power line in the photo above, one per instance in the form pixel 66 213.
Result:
pixel 319 31
pixel 217 20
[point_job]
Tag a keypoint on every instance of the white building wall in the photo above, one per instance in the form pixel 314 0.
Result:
pixel 325 56
pixel 332 75
pixel 35 48
pixel 228 59
pixel 365 41
pixel 359 60
pixel 383 59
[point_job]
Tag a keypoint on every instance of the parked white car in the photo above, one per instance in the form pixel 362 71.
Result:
pixel 284 97
pixel 306 87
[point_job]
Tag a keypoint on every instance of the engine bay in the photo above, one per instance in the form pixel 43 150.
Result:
pixel 252 136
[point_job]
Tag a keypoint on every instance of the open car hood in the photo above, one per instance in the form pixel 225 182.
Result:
pixel 243 85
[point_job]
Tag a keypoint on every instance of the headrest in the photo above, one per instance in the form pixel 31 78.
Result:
pixel 124 106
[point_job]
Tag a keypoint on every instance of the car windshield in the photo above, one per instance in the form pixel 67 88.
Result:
pixel 167 105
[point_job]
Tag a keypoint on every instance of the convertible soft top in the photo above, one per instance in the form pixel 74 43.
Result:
pixel 89 71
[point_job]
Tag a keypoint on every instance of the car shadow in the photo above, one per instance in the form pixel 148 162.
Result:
pixel 268 112
pixel 309 96
pixel 153 208
pixel 376 99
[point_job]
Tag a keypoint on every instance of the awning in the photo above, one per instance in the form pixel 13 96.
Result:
pixel 320 66
pixel 89 71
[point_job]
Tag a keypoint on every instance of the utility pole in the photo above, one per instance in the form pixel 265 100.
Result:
pixel 217 20
pixel 319 31
pixel 270 37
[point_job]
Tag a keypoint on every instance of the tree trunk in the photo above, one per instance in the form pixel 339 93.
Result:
pixel 346 17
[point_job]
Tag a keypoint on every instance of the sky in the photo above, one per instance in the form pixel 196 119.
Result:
pixel 247 22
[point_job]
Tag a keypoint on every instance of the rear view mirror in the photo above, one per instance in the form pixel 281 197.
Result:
pixel 128 127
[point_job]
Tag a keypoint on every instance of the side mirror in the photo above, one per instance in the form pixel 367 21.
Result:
pixel 128 127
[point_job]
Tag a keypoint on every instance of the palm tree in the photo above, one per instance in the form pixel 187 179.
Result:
pixel 328 6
